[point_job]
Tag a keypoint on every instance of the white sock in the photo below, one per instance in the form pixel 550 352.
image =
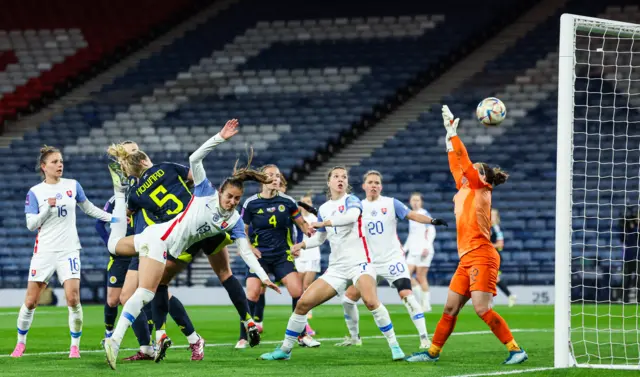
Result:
pixel 130 312
pixel 25 317
pixel 426 298
pixel 381 316
pixel 75 324
pixel 119 228
pixel 159 334
pixel 193 338
pixel 296 325
pixel 351 316
pixel 147 350
pixel 416 314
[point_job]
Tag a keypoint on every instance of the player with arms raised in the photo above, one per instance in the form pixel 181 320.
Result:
pixel 477 271
pixel 339 221
pixel 50 209
pixel 209 213
pixel 380 216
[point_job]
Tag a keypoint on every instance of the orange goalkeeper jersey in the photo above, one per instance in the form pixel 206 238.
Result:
pixel 472 202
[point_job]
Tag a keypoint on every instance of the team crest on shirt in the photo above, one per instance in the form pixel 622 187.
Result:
pixel 271 209
pixel 384 211
pixel 281 208
pixel 341 209
pixel 164 255
pixel 113 280
pixel 69 193
pixel 216 217
pixel 374 213
pixel 58 196
pixel 224 224
pixel 33 272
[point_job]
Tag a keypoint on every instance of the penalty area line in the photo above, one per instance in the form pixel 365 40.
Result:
pixel 467 333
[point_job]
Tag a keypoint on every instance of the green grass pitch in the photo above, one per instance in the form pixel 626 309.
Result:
pixel 472 350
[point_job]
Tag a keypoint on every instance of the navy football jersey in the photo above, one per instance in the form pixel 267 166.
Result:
pixel 162 191
pixel 271 222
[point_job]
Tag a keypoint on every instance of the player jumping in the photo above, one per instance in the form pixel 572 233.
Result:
pixel 339 221
pixel 477 271
pixel 380 216
pixel 209 213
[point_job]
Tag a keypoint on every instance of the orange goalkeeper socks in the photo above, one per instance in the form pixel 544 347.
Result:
pixel 443 331
pixel 500 329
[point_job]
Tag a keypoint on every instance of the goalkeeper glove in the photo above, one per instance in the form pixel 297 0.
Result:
pixel 439 222
pixel 450 124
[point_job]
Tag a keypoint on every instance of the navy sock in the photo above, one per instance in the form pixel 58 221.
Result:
pixel 141 330
pixel 238 297
pixel 180 316
pixel 258 314
pixel 149 314
pixel 160 307
pixel 110 315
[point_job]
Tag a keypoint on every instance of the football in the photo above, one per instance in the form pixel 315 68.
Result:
pixel 491 111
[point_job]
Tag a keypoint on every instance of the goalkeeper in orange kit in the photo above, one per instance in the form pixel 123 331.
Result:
pixel 477 272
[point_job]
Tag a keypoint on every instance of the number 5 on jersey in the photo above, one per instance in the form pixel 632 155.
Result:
pixel 167 198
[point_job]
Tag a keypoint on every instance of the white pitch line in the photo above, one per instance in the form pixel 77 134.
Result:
pixel 521 371
pixel 484 332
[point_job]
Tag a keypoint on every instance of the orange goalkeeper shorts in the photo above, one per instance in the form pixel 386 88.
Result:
pixel 477 271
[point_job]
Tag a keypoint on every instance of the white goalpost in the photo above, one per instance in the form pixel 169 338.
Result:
pixel 597 313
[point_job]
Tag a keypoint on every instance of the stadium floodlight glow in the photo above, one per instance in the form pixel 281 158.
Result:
pixel 598 174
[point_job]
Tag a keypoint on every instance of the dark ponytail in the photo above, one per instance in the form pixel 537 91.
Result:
pixel 244 174
pixel 495 176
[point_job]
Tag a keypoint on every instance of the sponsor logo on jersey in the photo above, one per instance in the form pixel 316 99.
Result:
pixel 113 280
pixel 69 193
pixel 260 211
pixel 384 211
pixel 281 208
pixel 271 209
pixel 58 196
pixel 33 272
pixel 341 209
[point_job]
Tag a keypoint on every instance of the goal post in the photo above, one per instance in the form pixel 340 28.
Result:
pixel 596 314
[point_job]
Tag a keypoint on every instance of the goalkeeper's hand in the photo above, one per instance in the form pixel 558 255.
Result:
pixel 439 222
pixel 450 122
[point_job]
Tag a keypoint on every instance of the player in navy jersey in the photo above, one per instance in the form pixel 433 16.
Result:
pixel 159 194
pixel 271 216
pixel 497 238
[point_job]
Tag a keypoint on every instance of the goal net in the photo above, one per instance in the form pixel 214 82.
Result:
pixel 597 313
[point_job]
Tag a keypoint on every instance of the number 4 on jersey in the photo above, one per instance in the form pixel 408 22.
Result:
pixel 273 221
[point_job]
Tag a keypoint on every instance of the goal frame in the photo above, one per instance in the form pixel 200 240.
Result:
pixel 569 23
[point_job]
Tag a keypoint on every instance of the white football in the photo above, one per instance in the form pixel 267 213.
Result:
pixel 491 111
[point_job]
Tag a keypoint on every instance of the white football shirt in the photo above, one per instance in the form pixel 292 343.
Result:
pixel 417 237
pixel 313 253
pixel 381 221
pixel 58 232
pixel 348 243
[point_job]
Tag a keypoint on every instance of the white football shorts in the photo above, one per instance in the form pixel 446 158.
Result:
pixel 66 264
pixel 341 278
pixel 419 261
pixel 392 271
pixel 149 243
pixel 312 265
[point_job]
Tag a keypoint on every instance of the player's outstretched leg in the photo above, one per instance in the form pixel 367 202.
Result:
pixel 352 318
pixel 25 318
pixel 319 292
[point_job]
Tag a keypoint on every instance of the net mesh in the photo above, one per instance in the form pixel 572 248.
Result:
pixel 605 314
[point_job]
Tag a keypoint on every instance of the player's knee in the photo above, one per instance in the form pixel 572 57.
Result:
pixel 73 299
pixel 223 273
pixel 31 302
pixel 451 310
pixel 481 309
pixel 113 301
pixel 403 286
pixel 124 297
pixel 372 303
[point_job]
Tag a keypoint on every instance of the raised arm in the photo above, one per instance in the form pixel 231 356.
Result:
pixel 87 207
pixel 195 160
pixel 456 170
pixel 472 175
